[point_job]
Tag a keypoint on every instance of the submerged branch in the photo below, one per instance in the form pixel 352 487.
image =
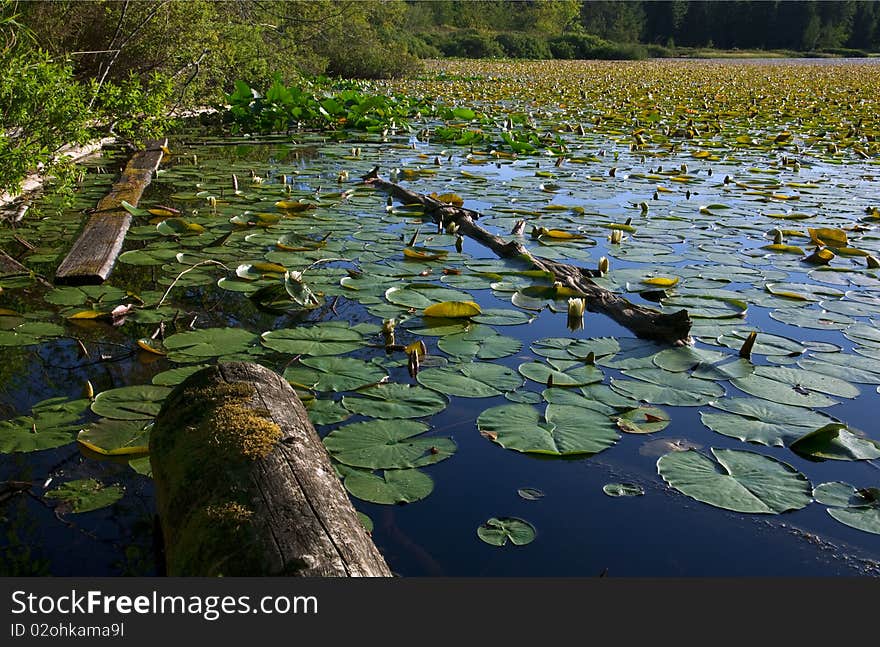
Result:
pixel 645 322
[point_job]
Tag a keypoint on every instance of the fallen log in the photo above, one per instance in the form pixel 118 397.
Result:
pixel 673 328
pixel 244 486
pixel 93 255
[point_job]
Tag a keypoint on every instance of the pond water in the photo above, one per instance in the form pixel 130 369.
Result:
pixel 696 212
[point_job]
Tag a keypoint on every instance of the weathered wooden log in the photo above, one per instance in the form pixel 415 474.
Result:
pixel 673 328
pixel 9 265
pixel 244 485
pixel 93 255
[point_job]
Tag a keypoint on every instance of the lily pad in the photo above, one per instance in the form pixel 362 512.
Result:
pixel 210 342
pixel 395 401
pixel 497 531
pixel 736 480
pixel 480 342
pixel 335 373
pixel 326 412
pixel 557 372
pixel 571 349
pixel 116 437
pixel 377 444
pixel 503 317
pixel 835 442
pixel 475 380
pixel 85 495
pixel 530 493
pixel 859 509
pixel 781 392
pixel 130 402
pixel 662 387
pixel 623 489
pixel 392 487
pixel 563 430
pixel 643 420
pixel 320 339
pixel 52 423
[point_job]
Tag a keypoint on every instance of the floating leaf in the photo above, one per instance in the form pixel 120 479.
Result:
pixel 325 373
pixel 564 429
pixel 643 420
pixel 835 442
pixel 319 339
pixel 530 493
pixel 479 342
pixel 859 509
pixel 393 487
pixel 85 495
pixel 781 392
pixel 375 444
pixel 52 423
pixel 623 489
pixel 116 437
pixel 395 401
pixel 452 309
pixel 476 380
pixel 736 480
pixel 557 372
pixel 326 412
pixel 130 402
pixel 210 342
pixel 497 531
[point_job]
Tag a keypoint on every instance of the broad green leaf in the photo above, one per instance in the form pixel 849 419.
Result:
pixel 736 480
pixel 480 342
pixel 395 401
pixel 643 420
pixel 781 392
pixel 116 437
pixel 376 444
pixel 561 373
pixel 325 373
pixel 497 531
pixel 326 412
pixel 569 348
pixel 475 380
pixel 392 487
pixel 835 442
pixel 859 509
pixel 319 339
pixel 130 402
pixel 563 430
pixel 210 342
pixel 85 495
pixel 52 423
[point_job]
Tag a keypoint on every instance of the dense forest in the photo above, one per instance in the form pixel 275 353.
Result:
pixel 73 70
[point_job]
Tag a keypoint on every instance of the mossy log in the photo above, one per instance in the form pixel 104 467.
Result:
pixel 93 255
pixel 673 328
pixel 244 486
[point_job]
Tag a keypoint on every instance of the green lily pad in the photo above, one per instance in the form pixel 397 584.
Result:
pixel 85 495
pixel 479 342
pixel 503 317
pixel 142 466
pixel 130 402
pixel 476 380
pixel 568 348
pixel 326 412
pixel 662 387
pixel 116 437
pixel 835 442
pixel 736 480
pixel 530 493
pixel 859 509
pixel 319 339
pixel 623 489
pixel 563 430
pixel 376 444
pixel 809 380
pixel 781 392
pixel 174 376
pixel 643 420
pixel 685 358
pixel 209 342
pixel 765 344
pixel 395 401
pixel 557 372
pixel 497 531
pixel 52 423
pixel 335 373
pixel 393 487
pixel 422 295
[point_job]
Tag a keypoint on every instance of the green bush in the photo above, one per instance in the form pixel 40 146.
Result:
pixel 589 46
pixel 522 45
pixel 470 44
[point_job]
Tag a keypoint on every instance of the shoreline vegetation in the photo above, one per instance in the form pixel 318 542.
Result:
pixel 74 72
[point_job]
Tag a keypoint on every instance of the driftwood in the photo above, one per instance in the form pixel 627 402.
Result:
pixel 9 265
pixel 645 322
pixel 244 485
pixel 93 255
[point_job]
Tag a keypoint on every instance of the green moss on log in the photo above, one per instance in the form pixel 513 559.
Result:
pixel 205 442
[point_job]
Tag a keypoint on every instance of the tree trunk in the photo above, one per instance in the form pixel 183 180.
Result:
pixel 645 322
pixel 244 486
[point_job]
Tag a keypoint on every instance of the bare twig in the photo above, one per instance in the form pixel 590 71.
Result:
pixel 187 271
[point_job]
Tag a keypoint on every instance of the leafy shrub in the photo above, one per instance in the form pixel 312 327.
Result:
pixel 470 44
pixel 522 45
pixel 589 46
